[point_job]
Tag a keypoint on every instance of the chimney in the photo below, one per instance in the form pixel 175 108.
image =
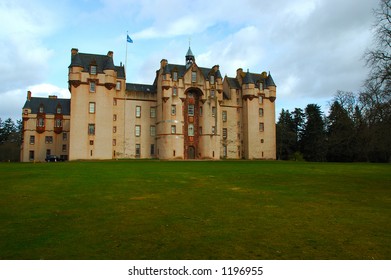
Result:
pixel 216 67
pixel 74 51
pixel 52 96
pixel 110 54
pixel 28 95
pixel 239 75
pixel 163 63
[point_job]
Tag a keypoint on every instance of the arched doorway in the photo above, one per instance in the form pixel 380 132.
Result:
pixel 191 152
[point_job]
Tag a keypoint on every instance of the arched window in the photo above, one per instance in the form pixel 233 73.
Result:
pixel 190 129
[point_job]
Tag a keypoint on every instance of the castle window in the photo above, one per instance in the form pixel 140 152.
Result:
pixel 64 136
pixel 48 139
pixel 41 108
pixel 213 111
pixel 92 86
pixel 114 117
pixel 193 77
pixel 200 111
pixel 114 142
pixel 212 80
pixel 174 91
pixel 190 130
pixel 118 85
pixel 225 132
pixel 213 129
pixel 138 150
pixel 64 147
pixel 58 109
pixel 212 93
pixel 224 151
pixel 31 155
pixel 115 102
pixel 261 127
pixel 175 76
pixel 91 129
pixel 260 112
pixel 114 129
pixel 200 130
pixel 32 140
pixel 260 98
pixel 93 70
pixel 58 123
pixel 191 110
pixel 137 130
pixel 152 112
pixel 40 122
pixel 224 116
pixel 92 108
pixel 173 129
pixel 173 110
pixel 138 111
pixel 153 130
pixel 152 149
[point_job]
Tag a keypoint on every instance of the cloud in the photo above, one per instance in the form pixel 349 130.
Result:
pixel 13 100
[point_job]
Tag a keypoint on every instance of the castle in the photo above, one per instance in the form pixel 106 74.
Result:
pixel 188 112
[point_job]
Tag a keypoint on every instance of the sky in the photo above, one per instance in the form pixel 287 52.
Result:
pixel 312 48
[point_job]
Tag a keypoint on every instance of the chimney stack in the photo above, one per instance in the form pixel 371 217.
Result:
pixel 74 51
pixel 110 54
pixel 28 95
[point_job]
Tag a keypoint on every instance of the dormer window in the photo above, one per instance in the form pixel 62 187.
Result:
pixel 58 109
pixel 212 80
pixel 93 69
pixel 41 108
pixel 175 76
pixel 118 85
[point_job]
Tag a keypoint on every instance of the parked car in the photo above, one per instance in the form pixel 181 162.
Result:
pixel 52 158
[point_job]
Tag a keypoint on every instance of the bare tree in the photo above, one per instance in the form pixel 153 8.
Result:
pixel 379 58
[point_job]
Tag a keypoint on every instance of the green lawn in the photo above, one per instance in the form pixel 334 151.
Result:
pixel 195 210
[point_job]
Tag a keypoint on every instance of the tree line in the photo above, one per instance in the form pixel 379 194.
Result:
pixel 358 126
pixel 10 139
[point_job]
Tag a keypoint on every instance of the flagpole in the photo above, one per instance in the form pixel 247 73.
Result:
pixel 126 65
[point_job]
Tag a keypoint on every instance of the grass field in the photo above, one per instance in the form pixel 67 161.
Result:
pixel 195 210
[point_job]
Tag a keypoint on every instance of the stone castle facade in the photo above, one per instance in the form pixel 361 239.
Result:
pixel 188 112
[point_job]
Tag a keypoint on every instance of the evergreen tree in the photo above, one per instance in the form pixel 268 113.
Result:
pixel 313 144
pixel 286 138
pixel 340 134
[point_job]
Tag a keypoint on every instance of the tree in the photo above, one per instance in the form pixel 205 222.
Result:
pixel 379 58
pixel 313 144
pixel 376 96
pixel 340 134
pixel 10 140
pixel 286 138
pixel 6 129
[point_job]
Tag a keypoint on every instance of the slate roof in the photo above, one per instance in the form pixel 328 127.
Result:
pixel 248 79
pixel 49 105
pixel 103 62
pixel 233 82
pixel 140 87
pixel 181 69
pixel 252 78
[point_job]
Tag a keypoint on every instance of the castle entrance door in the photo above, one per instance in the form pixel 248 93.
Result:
pixel 191 152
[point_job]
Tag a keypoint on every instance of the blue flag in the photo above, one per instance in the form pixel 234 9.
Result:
pixel 129 39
